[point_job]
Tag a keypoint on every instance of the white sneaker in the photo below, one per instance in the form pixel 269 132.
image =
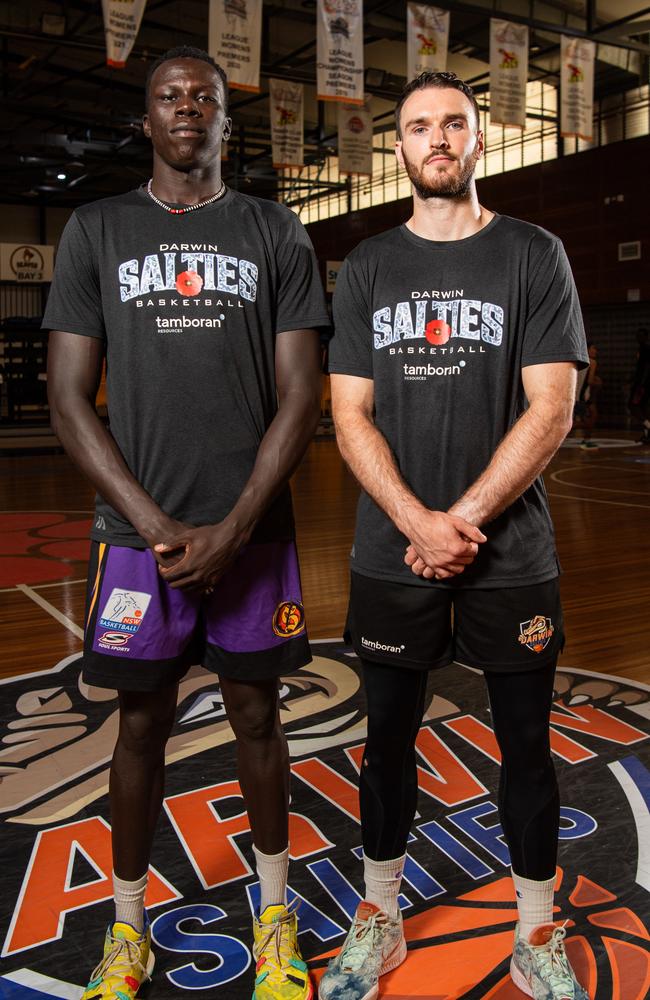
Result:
pixel 540 966
pixel 374 945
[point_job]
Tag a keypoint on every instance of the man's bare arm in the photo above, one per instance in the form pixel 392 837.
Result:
pixel 73 375
pixel 209 550
pixel 524 452
pixel 449 540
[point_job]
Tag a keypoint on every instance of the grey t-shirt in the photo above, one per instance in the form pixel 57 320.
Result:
pixel 189 307
pixel 443 329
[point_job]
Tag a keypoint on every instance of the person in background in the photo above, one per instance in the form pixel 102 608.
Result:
pixel 639 401
pixel 586 410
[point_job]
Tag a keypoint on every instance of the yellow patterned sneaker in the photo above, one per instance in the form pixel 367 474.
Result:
pixel 281 973
pixel 128 960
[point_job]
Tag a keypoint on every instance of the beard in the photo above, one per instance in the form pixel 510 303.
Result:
pixel 441 184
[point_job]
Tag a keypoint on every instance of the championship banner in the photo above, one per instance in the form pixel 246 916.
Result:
pixel 508 72
pixel 427 36
pixel 340 51
pixel 235 39
pixel 577 88
pixel 121 26
pixel 355 139
pixel 287 118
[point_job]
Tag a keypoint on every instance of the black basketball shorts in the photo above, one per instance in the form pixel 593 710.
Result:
pixel 509 629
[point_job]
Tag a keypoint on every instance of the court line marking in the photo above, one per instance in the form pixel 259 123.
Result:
pixel 51 610
pixel 610 503
pixel 555 476
pixel 638 802
pixel 44 586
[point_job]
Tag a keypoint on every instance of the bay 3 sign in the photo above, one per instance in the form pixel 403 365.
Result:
pixel 29 263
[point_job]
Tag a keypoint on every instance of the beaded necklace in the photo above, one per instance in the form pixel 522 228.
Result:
pixel 189 208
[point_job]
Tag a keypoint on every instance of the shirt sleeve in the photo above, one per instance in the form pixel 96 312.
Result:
pixel 300 299
pixel 351 346
pixel 554 329
pixel 74 304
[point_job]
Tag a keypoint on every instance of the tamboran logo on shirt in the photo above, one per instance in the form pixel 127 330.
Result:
pixel 419 373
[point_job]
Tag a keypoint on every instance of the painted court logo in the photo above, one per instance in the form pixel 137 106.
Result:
pixel 457 898
pixel 124 611
pixel 536 633
pixel 289 619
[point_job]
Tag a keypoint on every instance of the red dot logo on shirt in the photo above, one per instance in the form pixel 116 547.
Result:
pixel 189 283
pixel 437 332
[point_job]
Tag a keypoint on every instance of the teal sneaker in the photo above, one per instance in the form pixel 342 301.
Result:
pixel 540 967
pixel 374 945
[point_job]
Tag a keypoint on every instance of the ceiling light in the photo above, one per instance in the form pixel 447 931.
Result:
pixel 61 177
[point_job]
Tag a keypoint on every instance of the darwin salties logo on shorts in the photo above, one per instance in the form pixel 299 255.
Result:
pixel 289 619
pixel 123 614
pixel 536 633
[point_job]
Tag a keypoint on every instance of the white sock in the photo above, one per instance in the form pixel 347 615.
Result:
pixel 534 903
pixel 129 901
pixel 272 872
pixel 383 880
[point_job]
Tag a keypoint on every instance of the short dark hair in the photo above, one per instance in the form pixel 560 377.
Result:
pixel 443 81
pixel 186 52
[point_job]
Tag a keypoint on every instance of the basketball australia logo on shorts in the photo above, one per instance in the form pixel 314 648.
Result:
pixel 536 633
pixel 289 619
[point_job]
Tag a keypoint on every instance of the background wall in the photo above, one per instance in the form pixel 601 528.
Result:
pixel 22 223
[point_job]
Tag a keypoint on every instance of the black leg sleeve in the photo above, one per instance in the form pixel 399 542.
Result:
pixel 529 803
pixel 388 785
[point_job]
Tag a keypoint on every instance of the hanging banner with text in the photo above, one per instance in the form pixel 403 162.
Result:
pixel 340 51
pixel 355 139
pixel 286 100
pixel 121 26
pixel 577 88
pixel 234 40
pixel 508 72
pixel 427 36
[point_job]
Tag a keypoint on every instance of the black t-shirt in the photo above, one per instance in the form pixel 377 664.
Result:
pixel 189 307
pixel 443 329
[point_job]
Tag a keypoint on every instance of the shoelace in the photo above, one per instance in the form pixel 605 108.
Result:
pixel 125 955
pixel 554 962
pixel 276 933
pixel 362 941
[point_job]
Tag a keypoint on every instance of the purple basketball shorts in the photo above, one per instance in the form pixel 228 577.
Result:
pixel 141 635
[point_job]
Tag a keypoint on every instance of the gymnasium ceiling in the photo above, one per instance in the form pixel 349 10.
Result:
pixel 66 112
